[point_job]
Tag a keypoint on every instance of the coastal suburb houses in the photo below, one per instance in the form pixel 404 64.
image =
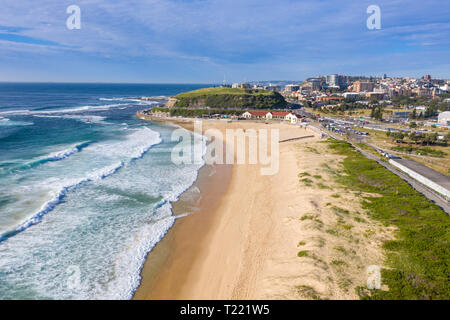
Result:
pixel 269 115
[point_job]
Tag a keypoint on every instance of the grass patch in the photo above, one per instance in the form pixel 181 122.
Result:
pixel 304 174
pixel 301 243
pixel 419 258
pixel 336 195
pixel 340 210
pixel 320 185
pixel 303 253
pixel 311 149
pixel 340 249
pixel 333 232
pixel 361 220
pixel 339 263
pixel 308 292
pixel 426 151
pixel 306 181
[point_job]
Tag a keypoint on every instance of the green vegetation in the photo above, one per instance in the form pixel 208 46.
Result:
pixel 338 263
pixel 306 181
pixel 419 137
pixel 418 259
pixel 340 210
pixel 422 151
pixel 304 174
pixel 307 217
pixel 377 113
pixel 301 243
pixel 303 253
pixel 336 195
pixel 195 113
pixel 228 98
pixel 308 292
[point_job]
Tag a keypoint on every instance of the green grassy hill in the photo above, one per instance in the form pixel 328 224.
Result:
pixel 230 98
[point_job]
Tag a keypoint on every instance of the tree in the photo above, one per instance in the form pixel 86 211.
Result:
pixel 377 113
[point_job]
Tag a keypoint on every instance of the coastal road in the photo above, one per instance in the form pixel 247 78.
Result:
pixel 428 193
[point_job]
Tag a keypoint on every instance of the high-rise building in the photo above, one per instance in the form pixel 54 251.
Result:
pixel 335 80
pixel 363 86
pixel 315 83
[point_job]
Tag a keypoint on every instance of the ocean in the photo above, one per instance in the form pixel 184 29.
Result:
pixel 85 188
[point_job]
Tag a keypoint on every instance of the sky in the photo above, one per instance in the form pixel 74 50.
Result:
pixel 207 41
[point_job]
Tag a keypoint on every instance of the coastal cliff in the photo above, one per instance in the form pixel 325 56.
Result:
pixel 228 98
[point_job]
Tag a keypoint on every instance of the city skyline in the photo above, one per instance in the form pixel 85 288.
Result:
pixel 208 41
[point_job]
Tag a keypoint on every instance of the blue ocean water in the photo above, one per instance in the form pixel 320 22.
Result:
pixel 85 188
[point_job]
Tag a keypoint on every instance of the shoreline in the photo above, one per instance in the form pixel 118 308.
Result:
pixel 265 237
pixel 210 177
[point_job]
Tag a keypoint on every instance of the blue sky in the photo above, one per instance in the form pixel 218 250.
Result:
pixel 203 41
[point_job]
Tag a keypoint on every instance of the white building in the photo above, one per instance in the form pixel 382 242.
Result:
pixel 444 117
pixel 291 117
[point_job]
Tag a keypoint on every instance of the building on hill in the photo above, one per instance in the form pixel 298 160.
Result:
pixel 241 86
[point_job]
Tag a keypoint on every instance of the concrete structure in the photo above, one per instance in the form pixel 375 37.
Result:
pixel 316 84
pixel 241 86
pixel 351 95
pixel 444 117
pixel 429 177
pixel 335 80
pixel 363 86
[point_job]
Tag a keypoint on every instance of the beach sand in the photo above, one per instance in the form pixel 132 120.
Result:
pixel 251 236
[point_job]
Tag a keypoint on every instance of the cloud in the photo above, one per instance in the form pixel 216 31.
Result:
pixel 227 35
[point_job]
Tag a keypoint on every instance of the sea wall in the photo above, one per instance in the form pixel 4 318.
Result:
pixel 427 182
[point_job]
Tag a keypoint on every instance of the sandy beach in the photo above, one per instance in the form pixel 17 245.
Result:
pixel 251 236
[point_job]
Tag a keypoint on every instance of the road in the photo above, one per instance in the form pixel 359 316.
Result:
pixel 429 194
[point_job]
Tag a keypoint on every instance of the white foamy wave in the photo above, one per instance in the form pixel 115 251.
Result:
pixel 5 122
pixel 60 155
pixel 132 148
pixel 59 194
pixel 82 118
pixel 65 110
pixel 129 263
